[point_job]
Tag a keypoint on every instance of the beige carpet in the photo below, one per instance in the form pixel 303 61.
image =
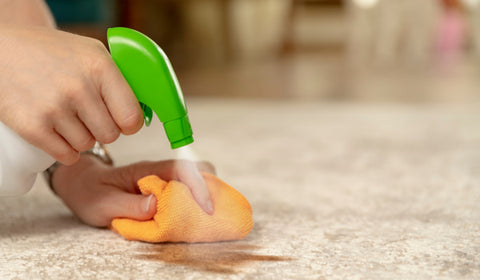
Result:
pixel 338 192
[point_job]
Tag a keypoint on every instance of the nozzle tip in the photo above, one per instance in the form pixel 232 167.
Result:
pixel 179 132
pixel 181 143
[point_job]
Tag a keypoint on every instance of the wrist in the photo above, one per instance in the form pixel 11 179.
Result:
pixel 97 157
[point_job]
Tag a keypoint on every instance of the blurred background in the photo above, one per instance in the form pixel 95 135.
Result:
pixel 328 50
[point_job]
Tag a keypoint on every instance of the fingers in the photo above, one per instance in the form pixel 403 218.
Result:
pixel 188 173
pixel 126 177
pixel 75 133
pixel 114 203
pixel 56 146
pixel 120 99
pixel 166 170
pixel 120 204
pixel 109 106
pixel 184 171
pixel 88 190
pixel 95 115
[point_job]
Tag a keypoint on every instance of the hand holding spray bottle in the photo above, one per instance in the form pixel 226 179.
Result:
pixel 151 77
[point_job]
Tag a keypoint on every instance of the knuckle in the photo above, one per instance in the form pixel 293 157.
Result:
pixel 70 91
pixel 98 65
pixel 99 59
pixel 75 89
pixel 51 112
pixel 70 86
pixel 97 44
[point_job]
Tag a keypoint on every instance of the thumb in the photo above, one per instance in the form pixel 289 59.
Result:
pixel 133 206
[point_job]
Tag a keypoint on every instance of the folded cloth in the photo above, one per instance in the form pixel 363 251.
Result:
pixel 180 219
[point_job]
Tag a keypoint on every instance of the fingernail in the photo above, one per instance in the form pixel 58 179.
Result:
pixel 209 207
pixel 146 203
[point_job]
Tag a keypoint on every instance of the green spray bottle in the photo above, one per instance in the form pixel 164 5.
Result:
pixel 151 77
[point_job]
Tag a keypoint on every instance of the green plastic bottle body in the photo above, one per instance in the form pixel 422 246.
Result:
pixel 151 77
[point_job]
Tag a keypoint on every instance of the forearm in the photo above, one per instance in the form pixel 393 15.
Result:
pixel 26 12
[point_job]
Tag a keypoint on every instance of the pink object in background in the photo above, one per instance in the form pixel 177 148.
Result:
pixel 451 33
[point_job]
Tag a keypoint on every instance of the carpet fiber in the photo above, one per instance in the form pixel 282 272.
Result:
pixel 338 192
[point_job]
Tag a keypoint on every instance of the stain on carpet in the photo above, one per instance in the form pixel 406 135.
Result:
pixel 211 257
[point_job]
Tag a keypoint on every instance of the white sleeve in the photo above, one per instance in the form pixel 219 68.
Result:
pixel 20 163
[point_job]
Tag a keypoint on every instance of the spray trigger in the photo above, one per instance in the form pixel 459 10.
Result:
pixel 147 114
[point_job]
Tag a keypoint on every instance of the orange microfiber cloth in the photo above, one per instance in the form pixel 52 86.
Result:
pixel 180 219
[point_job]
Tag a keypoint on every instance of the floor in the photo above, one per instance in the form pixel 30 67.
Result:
pixel 338 190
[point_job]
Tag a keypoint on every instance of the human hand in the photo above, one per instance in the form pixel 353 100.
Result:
pixel 62 92
pixel 97 193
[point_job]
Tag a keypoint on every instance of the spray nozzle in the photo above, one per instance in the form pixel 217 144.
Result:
pixel 151 77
